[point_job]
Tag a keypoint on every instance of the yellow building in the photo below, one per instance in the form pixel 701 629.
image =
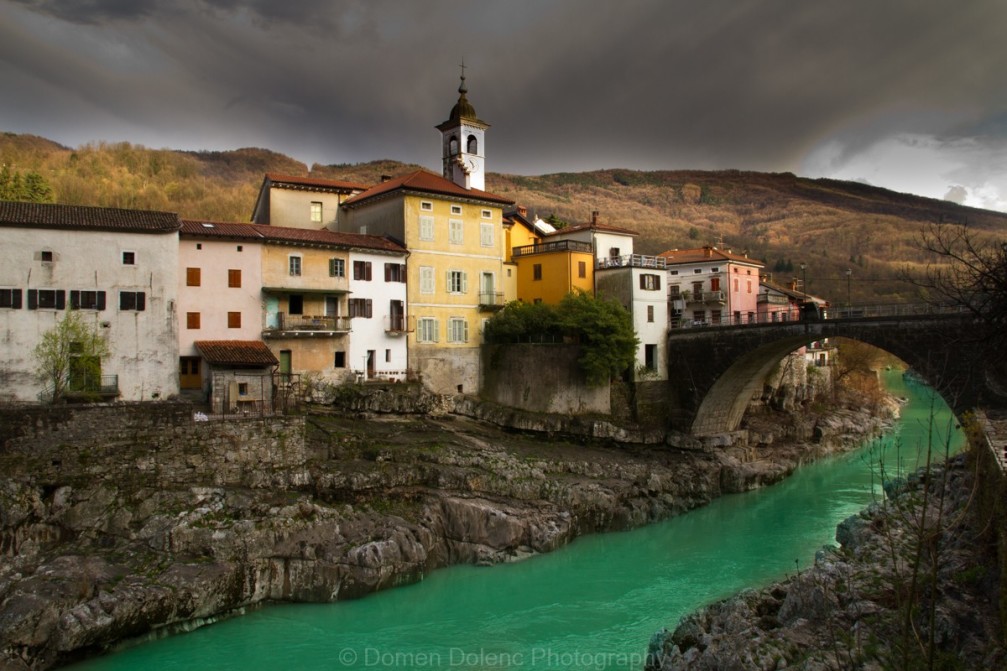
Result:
pixel 546 270
pixel 456 237
pixel 455 274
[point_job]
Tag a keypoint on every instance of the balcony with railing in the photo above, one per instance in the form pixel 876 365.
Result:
pixel 554 246
pixel 714 297
pixel 490 301
pixel 632 261
pixel 399 324
pixel 282 325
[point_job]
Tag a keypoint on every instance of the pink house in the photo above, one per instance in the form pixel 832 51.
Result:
pixel 712 286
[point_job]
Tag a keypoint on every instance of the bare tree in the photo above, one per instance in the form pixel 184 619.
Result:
pixel 968 269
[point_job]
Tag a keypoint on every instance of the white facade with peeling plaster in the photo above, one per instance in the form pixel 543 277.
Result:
pixel 142 342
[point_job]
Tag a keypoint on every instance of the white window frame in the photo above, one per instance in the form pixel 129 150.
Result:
pixel 426 330
pixel 458 330
pixel 426 227
pixel 486 237
pixel 428 280
pixel 426 206
pixel 456 209
pixel 316 212
pixel 456 231
pixel 291 263
pixel 337 267
pixel 487 214
pixel 457 282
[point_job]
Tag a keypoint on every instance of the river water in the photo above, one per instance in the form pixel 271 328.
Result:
pixel 592 605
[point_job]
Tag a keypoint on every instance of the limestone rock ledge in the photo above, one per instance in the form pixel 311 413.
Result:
pixel 168 536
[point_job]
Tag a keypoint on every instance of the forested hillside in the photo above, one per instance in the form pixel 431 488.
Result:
pixel 781 219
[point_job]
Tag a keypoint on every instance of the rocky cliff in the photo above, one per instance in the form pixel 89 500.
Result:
pixel 117 522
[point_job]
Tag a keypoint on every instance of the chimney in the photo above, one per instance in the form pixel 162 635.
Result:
pixel 523 211
pixel 708 251
pixel 594 218
pixel 385 178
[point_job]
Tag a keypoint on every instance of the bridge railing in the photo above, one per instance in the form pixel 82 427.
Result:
pixel 826 314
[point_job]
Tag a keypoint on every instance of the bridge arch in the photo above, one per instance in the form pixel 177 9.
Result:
pixel 714 373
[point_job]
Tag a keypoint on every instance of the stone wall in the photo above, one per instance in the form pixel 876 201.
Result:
pixel 540 378
pixel 149 444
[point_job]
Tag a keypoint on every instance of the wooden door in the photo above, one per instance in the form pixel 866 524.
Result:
pixel 189 376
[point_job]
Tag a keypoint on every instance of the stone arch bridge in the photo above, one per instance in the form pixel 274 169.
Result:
pixel 714 372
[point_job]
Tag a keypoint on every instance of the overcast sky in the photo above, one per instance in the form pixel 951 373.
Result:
pixel 905 94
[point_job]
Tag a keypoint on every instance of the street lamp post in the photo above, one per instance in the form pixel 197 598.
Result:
pixel 804 281
pixel 849 299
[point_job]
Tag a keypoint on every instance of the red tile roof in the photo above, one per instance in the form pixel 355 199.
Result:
pixel 79 217
pixel 699 254
pixel 314 182
pixel 284 235
pixel 426 182
pixel 236 353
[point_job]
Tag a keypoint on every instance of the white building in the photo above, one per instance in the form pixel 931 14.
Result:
pixel 118 267
pixel 611 243
pixel 378 308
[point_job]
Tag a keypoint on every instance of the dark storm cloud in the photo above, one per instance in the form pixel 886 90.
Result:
pixel 567 84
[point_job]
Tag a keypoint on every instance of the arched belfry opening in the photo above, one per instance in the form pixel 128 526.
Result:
pixel 464 143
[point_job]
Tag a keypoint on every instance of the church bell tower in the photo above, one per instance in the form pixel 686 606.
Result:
pixel 463 142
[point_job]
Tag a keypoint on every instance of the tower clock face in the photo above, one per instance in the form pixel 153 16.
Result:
pixel 472 164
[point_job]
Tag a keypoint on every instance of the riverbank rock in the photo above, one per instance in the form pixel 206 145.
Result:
pixel 848 611
pixel 116 540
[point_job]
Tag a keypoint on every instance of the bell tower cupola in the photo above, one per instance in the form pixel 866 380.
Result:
pixel 463 143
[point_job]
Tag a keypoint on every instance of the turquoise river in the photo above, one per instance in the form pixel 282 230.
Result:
pixel 591 605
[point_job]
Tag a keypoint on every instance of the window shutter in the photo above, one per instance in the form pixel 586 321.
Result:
pixel 367 270
pixel 388 272
pixel 643 281
pixel 33 299
pixel 16 299
pixel 74 300
pixel 100 303
pixel 465 282
pixel 141 300
pixel 368 308
pixel 61 299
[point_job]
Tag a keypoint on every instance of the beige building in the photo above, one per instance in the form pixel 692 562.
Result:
pixel 301 202
pixel 314 297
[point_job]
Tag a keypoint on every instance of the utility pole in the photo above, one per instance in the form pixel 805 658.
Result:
pixel 849 300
